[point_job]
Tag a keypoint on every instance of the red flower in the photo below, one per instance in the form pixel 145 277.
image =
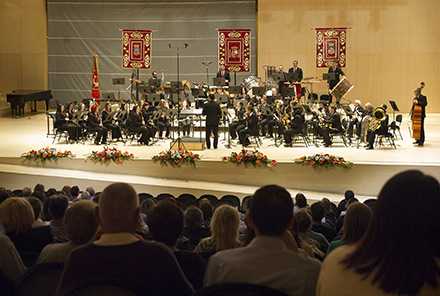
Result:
pixel 224 158
pixel 274 162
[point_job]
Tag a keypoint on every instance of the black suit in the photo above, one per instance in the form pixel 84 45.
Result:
pixel 93 125
pixel 356 120
pixel 116 130
pixel 296 127
pixel 236 126
pixel 334 120
pixel 421 101
pixel 135 125
pixel 74 130
pixel 382 130
pixel 299 71
pixel 251 129
pixel 225 75
pixel 213 114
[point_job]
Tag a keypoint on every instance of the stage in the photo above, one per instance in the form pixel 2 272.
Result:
pixel 371 168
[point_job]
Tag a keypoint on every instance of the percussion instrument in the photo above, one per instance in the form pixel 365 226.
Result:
pixel 342 88
pixel 250 82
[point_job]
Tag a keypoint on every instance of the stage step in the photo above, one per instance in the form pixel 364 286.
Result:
pixel 190 144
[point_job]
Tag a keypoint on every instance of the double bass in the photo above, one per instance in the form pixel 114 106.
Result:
pixel 416 118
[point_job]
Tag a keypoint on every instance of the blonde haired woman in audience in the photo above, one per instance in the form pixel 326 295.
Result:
pixel 224 227
pixel 400 252
pixel 81 225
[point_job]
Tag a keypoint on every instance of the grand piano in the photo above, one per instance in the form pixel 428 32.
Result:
pixel 19 97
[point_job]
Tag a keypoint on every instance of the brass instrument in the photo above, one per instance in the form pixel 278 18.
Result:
pixel 379 115
pixel 285 120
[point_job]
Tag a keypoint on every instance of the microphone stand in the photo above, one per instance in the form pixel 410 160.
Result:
pixel 207 63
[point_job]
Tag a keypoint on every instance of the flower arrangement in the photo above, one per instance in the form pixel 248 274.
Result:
pixel 323 160
pixel 253 157
pixel 45 154
pixel 109 155
pixel 176 157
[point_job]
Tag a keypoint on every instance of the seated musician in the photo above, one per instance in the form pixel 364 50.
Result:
pixel 163 122
pixel 94 124
pixel 295 122
pixel 147 112
pixel 238 122
pixel 251 127
pixel 356 120
pixel 382 130
pixel 135 124
pixel 244 95
pixel 122 116
pixel 159 92
pixel 266 121
pixel 329 125
pixel 200 101
pixel 81 117
pixel 108 122
pixel 62 122
pixel 185 123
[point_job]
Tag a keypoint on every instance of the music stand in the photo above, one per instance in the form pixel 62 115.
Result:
pixel 278 77
pixel 176 84
pixel 108 96
pixel 267 112
pixel 182 97
pixel 197 92
pixel 395 108
pixel 347 110
pixel 293 76
pixel 118 82
pixel 153 98
pixel 171 90
pixel 258 91
pixel 154 82
pixel 221 98
pixel 288 92
pixel 219 81
pixel 272 99
pixel 307 109
pixel 235 90
pixel 329 76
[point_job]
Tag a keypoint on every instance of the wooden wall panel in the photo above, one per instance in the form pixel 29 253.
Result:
pixel 392 44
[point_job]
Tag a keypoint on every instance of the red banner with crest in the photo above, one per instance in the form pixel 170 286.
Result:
pixel 234 49
pixel 136 49
pixel 330 46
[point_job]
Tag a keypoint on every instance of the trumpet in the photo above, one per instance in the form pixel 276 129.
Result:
pixel 379 115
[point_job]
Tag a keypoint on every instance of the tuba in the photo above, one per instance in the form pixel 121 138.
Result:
pixel 379 115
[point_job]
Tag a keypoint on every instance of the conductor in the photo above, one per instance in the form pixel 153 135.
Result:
pixel 213 114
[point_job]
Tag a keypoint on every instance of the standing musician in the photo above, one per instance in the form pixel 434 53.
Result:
pixel 251 127
pixel 135 124
pixel 295 123
pixel 420 100
pixel 213 113
pixel 329 125
pixel 222 73
pixel 296 69
pixel 163 122
pixel 62 122
pixel 238 122
pixel 94 124
pixel 382 130
pixel 266 120
pixel 281 71
pixel 338 73
pixel 356 120
pixel 108 122
pixel 152 87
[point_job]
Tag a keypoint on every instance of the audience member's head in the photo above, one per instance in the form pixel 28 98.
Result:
pixel 271 210
pixel 300 200
pixel 74 191
pixel 16 215
pixel 303 219
pixel 193 218
pixel 166 223
pixel 4 194
pixel 356 221
pixel 66 190
pixel 351 201
pixel 80 221
pixel 58 204
pixel 39 195
pixel 327 207
pixel 91 191
pixel 26 192
pixel 50 192
pixel 147 205
pixel 318 211
pixel 349 194
pixel 85 195
pixel 37 206
pixel 224 227
pixel 402 243
pixel 118 209
pixel 207 210
pixel 39 188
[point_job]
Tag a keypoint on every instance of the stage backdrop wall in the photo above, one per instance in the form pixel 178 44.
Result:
pixel 392 44
pixel 78 28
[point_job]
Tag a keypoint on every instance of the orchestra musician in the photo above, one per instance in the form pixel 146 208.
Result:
pixel 108 122
pixel 295 121
pixel 135 124
pixel 81 117
pixel 213 113
pixel 152 87
pixel 185 123
pixel 62 122
pixel 420 100
pixel 163 122
pixel 238 122
pixel 338 73
pixel 244 95
pixel 356 120
pixel 329 125
pixel 222 73
pixel 200 101
pixel 266 121
pixel 146 112
pixel 251 127
pixel 281 82
pixel 122 116
pixel 296 69
pixel 94 124
pixel 382 130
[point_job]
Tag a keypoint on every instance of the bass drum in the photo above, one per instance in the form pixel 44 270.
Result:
pixel 250 82
pixel 341 89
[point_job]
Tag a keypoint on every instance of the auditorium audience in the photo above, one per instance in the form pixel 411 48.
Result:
pixel 300 202
pixel 318 213
pixel 166 225
pixel 119 254
pixel 37 207
pixel 39 188
pixel 303 222
pixel 17 217
pixel 11 265
pixel 268 259
pixel 349 194
pixel 224 228
pixel 340 221
pixel 66 190
pixel 207 211
pixel 400 252
pixel 194 230
pixel 356 221
pixel 74 192
pixel 58 204
pixel 26 192
pixel 81 225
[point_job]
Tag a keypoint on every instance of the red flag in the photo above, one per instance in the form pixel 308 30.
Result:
pixel 95 82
